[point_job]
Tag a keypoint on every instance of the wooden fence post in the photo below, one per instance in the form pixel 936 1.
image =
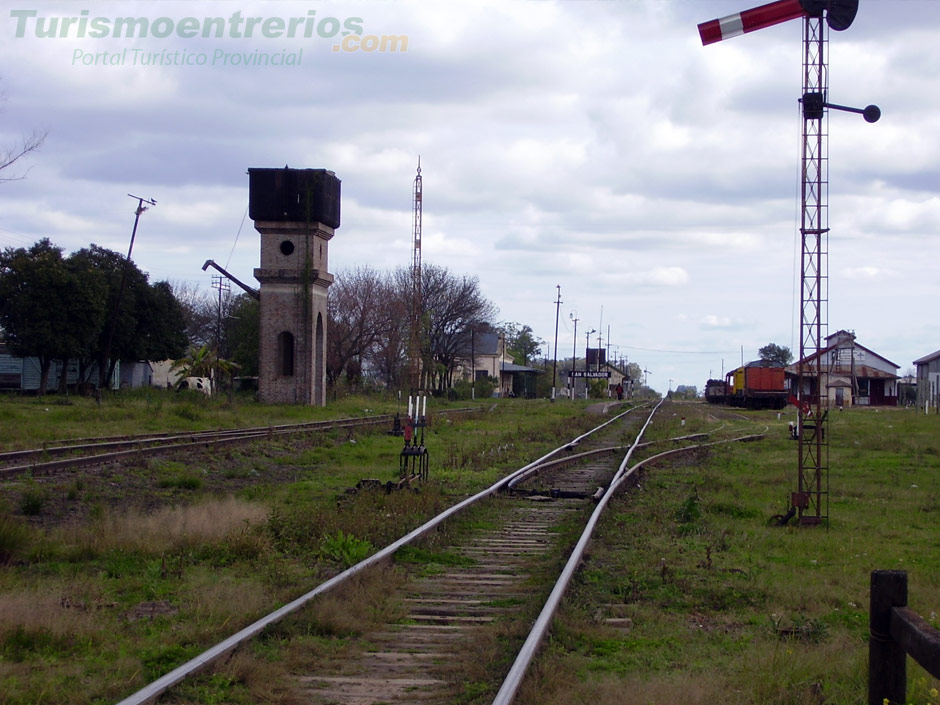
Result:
pixel 887 660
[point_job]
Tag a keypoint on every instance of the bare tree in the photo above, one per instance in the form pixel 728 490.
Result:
pixel 453 306
pixel 389 355
pixel 9 156
pixel 200 310
pixel 26 146
pixel 370 317
pixel 357 321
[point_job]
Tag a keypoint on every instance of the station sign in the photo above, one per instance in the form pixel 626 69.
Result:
pixel 590 374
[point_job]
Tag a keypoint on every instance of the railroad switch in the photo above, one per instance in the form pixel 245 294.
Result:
pixel 413 460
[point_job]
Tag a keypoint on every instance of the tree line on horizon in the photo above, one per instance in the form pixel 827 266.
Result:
pixel 95 307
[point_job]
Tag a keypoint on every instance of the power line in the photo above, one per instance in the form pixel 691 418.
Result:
pixel 678 352
pixel 241 225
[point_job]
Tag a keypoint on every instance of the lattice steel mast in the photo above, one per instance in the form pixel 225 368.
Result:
pixel 414 343
pixel 811 499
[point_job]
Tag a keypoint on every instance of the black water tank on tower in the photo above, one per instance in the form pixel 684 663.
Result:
pixel 294 195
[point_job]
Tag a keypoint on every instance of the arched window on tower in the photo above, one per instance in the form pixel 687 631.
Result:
pixel 285 353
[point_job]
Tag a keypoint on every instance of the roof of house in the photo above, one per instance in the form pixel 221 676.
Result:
pixel 927 358
pixel 485 344
pixel 511 367
pixel 858 346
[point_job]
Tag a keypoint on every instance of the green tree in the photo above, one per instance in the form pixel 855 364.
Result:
pixel 86 314
pixel 521 343
pixel 121 316
pixel 161 320
pixel 242 334
pixel 203 362
pixel 32 288
pixel 197 362
pixel 776 353
pixel 147 323
pixel 49 307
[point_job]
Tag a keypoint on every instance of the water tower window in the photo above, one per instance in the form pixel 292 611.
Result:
pixel 287 248
pixel 285 353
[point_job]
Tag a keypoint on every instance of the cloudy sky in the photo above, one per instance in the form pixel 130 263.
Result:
pixel 591 144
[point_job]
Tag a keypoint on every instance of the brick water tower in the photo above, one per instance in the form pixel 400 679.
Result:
pixel 296 211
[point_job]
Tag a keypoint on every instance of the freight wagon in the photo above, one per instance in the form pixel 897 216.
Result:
pixel 757 385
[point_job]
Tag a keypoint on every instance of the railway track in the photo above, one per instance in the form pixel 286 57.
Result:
pixel 420 657
pixel 60 456
pixel 488 595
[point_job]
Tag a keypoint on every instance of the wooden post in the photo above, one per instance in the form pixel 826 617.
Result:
pixel 887 660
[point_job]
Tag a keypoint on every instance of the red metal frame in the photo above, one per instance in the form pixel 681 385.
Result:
pixel 812 497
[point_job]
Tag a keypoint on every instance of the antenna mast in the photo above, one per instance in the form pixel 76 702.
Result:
pixel 414 346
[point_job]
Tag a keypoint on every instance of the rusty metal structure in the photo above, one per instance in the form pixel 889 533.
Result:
pixel 251 291
pixel 811 498
pixel 810 501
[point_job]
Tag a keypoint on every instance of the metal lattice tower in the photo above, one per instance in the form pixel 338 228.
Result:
pixel 811 499
pixel 414 345
pixel 812 496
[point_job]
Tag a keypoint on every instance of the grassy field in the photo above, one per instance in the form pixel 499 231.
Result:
pixel 30 422
pixel 725 607
pixel 108 581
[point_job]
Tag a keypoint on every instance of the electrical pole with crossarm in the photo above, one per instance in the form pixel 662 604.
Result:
pixel 105 372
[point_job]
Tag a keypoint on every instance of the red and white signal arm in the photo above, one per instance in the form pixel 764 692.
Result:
pixel 839 15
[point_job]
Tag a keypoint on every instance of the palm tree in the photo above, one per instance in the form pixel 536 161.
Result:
pixel 203 362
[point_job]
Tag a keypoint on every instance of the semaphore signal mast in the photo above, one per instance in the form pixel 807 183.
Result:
pixel 811 498
pixel 414 343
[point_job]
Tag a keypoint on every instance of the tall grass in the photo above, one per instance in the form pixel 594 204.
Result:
pixel 726 606
pixel 31 422
pixel 144 589
pixel 165 530
pixel 14 538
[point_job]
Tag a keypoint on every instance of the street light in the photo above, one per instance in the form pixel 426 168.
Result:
pixel 555 358
pixel 587 342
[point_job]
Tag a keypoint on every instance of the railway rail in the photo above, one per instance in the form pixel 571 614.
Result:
pixel 413 659
pixel 72 454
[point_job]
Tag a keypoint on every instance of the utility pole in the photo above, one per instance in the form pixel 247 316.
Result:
pixel 574 351
pixel 555 356
pixel 587 343
pixel 220 283
pixel 502 362
pixel 473 364
pixel 105 371
pixel 599 348
pixel 608 343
